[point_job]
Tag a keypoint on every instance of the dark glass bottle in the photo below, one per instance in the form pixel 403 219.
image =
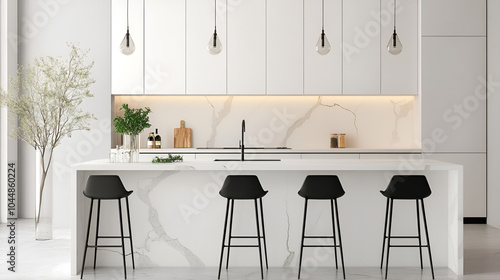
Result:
pixel 157 140
pixel 151 140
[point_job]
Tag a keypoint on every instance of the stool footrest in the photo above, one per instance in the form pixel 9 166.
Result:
pixel 108 236
pixel 412 246
pixel 104 246
pixel 319 236
pixel 321 246
pixel 245 236
pixel 401 236
pixel 227 246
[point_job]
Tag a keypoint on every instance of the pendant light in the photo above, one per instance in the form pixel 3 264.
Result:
pixel 323 46
pixel 394 46
pixel 214 45
pixel 127 46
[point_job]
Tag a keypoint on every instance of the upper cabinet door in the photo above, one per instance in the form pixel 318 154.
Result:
pixel 453 94
pixel 165 36
pixel 399 72
pixel 205 73
pixel 246 47
pixel 323 73
pixel 454 18
pixel 361 58
pixel 285 68
pixel 127 70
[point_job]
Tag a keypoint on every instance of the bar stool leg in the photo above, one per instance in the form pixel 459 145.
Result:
pixel 302 239
pixel 419 236
pixel 87 239
pixel 230 232
pixel 334 239
pixel 130 234
pixel 340 238
pixel 97 230
pixel 385 233
pixel 258 239
pixel 389 239
pixel 427 237
pixel 123 241
pixel 223 239
pixel 263 231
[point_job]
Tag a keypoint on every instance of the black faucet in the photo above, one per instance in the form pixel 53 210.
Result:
pixel 243 140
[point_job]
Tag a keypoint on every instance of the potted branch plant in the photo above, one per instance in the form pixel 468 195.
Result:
pixel 43 111
pixel 130 125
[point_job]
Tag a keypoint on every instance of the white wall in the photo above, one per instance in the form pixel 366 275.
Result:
pixel 44 29
pixel 493 139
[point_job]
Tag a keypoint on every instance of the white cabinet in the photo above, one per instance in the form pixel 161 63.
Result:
pixel 322 73
pixel 205 73
pixel 164 68
pixel 474 180
pixel 127 70
pixel 399 72
pixel 361 38
pixel 246 47
pixel 285 66
pixel 453 94
pixel 453 17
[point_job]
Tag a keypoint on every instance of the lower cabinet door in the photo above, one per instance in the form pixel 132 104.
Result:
pixel 474 180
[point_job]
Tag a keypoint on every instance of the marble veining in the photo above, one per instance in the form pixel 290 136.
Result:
pixel 291 254
pixel 218 117
pixel 401 110
pixel 144 189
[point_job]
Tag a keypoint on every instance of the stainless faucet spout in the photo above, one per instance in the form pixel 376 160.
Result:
pixel 243 140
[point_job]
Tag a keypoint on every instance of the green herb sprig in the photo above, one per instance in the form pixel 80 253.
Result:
pixel 133 122
pixel 169 159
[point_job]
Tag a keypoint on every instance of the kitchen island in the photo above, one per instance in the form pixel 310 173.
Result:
pixel 177 214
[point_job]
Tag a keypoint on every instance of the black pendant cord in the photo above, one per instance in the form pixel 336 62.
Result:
pixel 215 23
pixel 394 34
pixel 322 23
pixel 394 14
pixel 128 34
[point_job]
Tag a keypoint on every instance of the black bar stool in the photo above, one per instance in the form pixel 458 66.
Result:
pixel 323 187
pixel 106 187
pixel 406 187
pixel 243 187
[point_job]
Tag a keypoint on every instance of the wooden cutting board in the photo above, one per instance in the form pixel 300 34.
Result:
pixel 182 137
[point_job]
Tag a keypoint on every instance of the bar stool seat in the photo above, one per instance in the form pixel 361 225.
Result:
pixel 107 187
pixel 243 187
pixel 323 187
pixel 406 187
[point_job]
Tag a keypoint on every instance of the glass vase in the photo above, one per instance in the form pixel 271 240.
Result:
pixel 43 207
pixel 131 145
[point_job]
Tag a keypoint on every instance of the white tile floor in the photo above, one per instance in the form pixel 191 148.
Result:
pixel 50 260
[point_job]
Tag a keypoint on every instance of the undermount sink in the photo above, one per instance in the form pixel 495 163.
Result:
pixel 253 159
pixel 251 148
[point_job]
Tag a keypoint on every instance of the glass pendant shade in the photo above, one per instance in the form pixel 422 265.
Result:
pixel 323 46
pixel 214 45
pixel 127 46
pixel 394 46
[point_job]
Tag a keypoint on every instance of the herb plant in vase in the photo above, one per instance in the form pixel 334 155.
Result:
pixel 131 124
pixel 44 107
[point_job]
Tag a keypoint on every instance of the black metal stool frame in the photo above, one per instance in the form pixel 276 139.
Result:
pixel 388 236
pixel 333 202
pixel 122 237
pixel 230 204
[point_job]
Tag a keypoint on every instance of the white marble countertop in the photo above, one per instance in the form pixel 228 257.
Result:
pixel 284 164
pixel 282 151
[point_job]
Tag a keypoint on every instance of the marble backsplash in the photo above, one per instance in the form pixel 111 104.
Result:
pixel 299 122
